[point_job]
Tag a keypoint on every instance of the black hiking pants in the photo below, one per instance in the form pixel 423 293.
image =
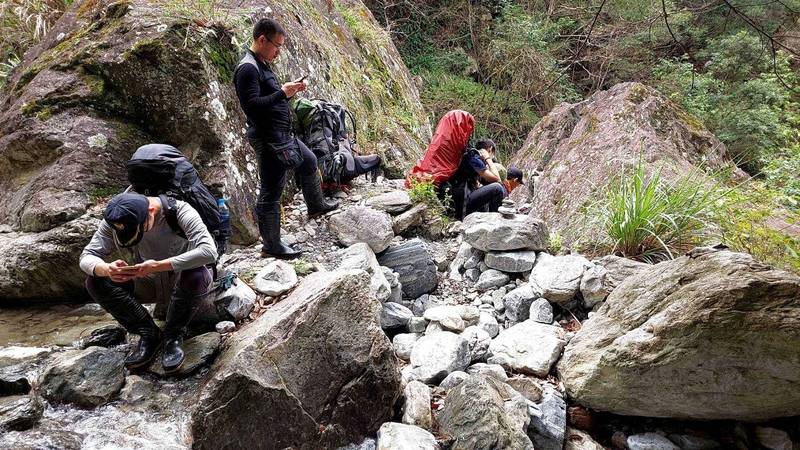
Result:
pixel 484 199
pixel 272 172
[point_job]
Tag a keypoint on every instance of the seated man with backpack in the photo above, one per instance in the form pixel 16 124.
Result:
pixel 160 260
pixel 477 167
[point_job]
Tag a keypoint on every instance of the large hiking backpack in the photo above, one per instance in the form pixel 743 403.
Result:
pixel 443 156
pixel 162 170
pixel 323 128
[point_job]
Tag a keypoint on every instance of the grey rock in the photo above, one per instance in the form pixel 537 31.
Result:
pixel 482 412
pixel 489 370
pixel 478 340
pixel 395 316
pixel 417 325
pixel 20 412
pixel 398 436
pixel 421 304
pixel 233 304
pixel 413 262
pixel 417 406
pixel 483 267
pixel 200 351
pixel 580 440
pixel 689 442
pixel 474 260
pixel 360 256
pixel 104 336
pixel 363 224
pixel 410 219
pixel 366 444
pixel 393 202
pixel 618 269
pixel 528 387
pixel 453 317
pixel 403 343
pixel 559 277
pixel 262 376
pixel 541 311
pixel 436 355
pixel 489 324
pixel 472 275
pixel 658 313
pixel 548 420
pixel 453 379
pixel 492 232
pixel 275 278
pixel 650 441
pixel 88 378
pixel 593 287
pixel 434 327
pixel 391 276
pixel 225 327
pixel 528 347
pixel 491 279
pixel 518 302
pixel 773 438
pixel 513 261
pixel 464 252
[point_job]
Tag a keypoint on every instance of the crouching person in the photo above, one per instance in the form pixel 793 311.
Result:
pixel 162 264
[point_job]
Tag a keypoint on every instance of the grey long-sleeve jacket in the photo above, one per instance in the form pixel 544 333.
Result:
pixel 158 243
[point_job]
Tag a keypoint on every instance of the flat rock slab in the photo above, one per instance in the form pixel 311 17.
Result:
pixel 393 202
pixel 200 351
pixel 689 339
pixel 363 224
pixel 493 232
pixel 518 261
pixel 529 347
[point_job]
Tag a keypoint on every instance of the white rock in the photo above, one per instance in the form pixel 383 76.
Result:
pixel 360 256
pixel 528 347
pixel 398 436
pixel 417 407
pixel 489 324
pixel 478 340
pixel 275 278
pixel 436 355
pixel 490 370
pixel 362 224
pixel 403 343
pixel 541 311
pixel 650 441
pixel 559 277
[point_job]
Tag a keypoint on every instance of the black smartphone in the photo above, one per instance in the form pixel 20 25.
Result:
pixel 303 77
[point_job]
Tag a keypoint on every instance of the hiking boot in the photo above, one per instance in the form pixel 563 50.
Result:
pixel 312 193
pixel 269 226
pixel 173 355
pixel 145 351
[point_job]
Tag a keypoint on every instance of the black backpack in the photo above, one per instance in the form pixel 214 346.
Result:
pixel 162 170
pixel 324 129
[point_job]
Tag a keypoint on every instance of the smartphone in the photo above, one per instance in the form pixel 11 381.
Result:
pixel 128 268
pixel 303 77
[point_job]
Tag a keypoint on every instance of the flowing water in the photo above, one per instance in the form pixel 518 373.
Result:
pixel 155 418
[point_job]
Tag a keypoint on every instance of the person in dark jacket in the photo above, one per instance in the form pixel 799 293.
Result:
pixel 477 166
pixel 265 103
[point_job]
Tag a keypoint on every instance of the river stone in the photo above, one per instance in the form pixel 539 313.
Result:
pixel 437 354
pixel 20 412
pixel 517 261
pixel 489 324
pixel 593 286
pixel 650 441
pixel 541 311
pixel 413 262
pixel 559 277
pixel 363 224
pixel 472 275
pixel 482 413
pixel 478 340
pixel 706 315
pixel 417 325
pixel 517 303
pixel 453 379
pixel 548 420
pixel 491 279
pixel 528 387
pixel 452 317
pixel 403 343
pixel 409 219
pixel 360 256
pixel 398 436
pixel 580 440
pixel 366 444
pixel 105 336
pixel 275 278
pixel 318 356
pixel 773 438
pixel 474 260
pixel 393 202
pixel 200 351
pixel 464 251
pixel 395 316
pixel 493 232
pixel 528 347
pixel 417 407
pixel 490 370
pixel 89 377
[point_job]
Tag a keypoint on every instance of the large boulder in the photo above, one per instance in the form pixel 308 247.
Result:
pixel 493 232
pixel 711 335
pixel 413 261
pixel 580 147
pixel 317 363
pixel 529 347
pixel 88 378
pixel 363 224
pixel 483 413
pixel 110 76
pixel 559 277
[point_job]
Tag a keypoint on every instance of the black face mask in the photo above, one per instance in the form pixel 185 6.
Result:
pixel 131 241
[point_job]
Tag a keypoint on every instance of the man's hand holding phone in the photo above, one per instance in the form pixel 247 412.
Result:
pixel 119 271
pixel 293 87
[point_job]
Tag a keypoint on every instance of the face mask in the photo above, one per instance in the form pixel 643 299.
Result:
pixel 133 241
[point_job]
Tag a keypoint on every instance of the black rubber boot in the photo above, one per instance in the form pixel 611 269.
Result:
pixel 180 312
pixel 269 225
pixel 173 356
pixel 312 193
pixel 122 305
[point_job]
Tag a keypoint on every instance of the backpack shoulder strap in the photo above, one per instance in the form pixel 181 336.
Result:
pixel 170 207
pixel 247 59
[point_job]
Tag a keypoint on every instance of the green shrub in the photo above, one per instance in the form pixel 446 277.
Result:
pixel 649 219
pixel 425 192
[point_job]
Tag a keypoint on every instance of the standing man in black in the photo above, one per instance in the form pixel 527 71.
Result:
pixel 265 102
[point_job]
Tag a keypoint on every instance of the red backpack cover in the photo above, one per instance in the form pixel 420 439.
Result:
pixel 443 156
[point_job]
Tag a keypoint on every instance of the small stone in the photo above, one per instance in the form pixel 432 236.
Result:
pixel 275 278
pixel 491 279
pixel 225 327
pixel 548 420
pixel 773 438
pixel 518 302
pixel 395 316
pixel 417 325
pixel 453 379
pixel 514 261
pixel 528 387
pixel 417 407
pixel 650 441
pixel 472 275
pixel 403 344
pixel 478 340
pixel 489 324
pixel 541 311
pixel 688 442
pixel 476 257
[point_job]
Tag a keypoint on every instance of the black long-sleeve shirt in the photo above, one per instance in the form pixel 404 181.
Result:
pixel 263 101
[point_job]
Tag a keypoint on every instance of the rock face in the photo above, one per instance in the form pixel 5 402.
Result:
pixel 689 338
pixel 317 364
pixel 413 262
pixel 363 224
pixel 478 416
pixel 86 378
pixel 493 232
pixel 580 147
pixel 111 76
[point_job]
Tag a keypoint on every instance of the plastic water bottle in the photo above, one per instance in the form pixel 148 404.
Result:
pixel 224 226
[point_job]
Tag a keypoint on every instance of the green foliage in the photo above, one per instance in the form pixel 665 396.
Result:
pixel 555 243
pixel 425 192
pixel 649 219
pixel 783 175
